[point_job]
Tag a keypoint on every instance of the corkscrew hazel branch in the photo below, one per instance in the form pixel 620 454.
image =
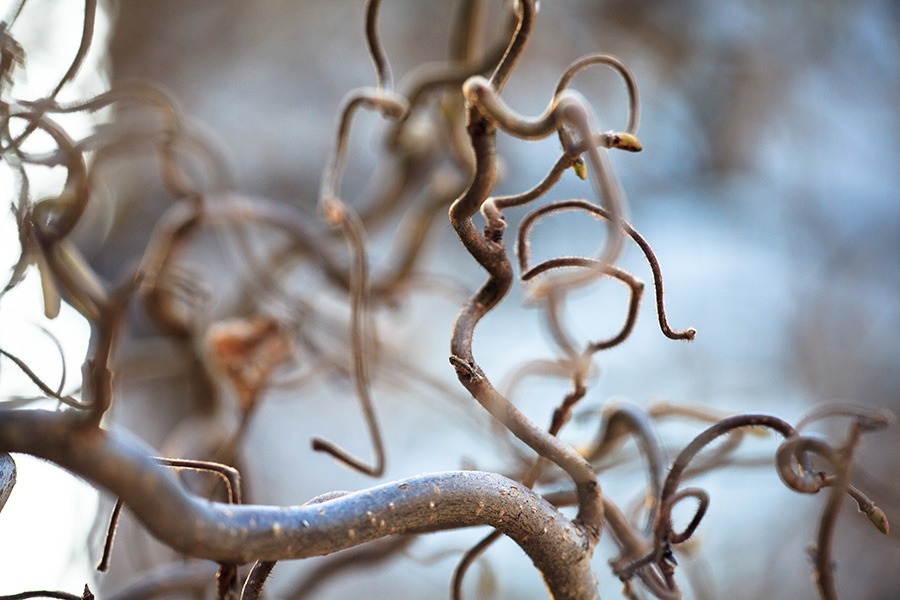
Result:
pixel 339 216
pixel 523 253
pixel 617 65
pixel 525 12
pixel 806 481
pixel 54 219
pixel 55 394
pixel 561 415
pixel 390 105
pixel 87 35
pixel 620 419
pixel 376 51
pixel 568 109
pixel 167 140
pixel 490 254
pixel 702 505
pixel 182 221
pixel 625 140
pixel 229 475
pixel 841 461
pixel 241 533
pixel 661 555
pixel 59 595
pixel 795 451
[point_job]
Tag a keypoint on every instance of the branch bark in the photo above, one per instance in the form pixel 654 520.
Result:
pixel 239 534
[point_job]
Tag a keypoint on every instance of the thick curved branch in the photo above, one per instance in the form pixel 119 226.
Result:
pixel 238 534
pixel 7 477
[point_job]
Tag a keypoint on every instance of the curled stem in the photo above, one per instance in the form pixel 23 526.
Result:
pixel 527 271
pixel 841 460
pixel 525 10
pixel 389 104
pixel 702 505
pixel 619 66
pixel 620 419
pixel 376 51
pixel 87 35
pixel 663 530
pixel 230 476
pixel 55 218
pixel 554 303
pixel 561 416
pixel 55 394
pixel 339 215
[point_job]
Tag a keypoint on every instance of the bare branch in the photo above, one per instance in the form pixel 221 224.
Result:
pixel 238 534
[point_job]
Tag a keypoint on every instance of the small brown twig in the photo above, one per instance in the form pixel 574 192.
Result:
pixel 229 475
pixel 55 394
pixel 527 271
pixel 86 595
pixel 339 216
pixel 376 51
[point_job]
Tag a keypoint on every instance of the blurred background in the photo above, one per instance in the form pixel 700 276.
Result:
pixel 769 187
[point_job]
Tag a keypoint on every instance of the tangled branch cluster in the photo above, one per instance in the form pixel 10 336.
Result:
pixel 441 146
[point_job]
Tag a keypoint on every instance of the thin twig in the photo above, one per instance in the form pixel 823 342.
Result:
pixel 527 271
pixel 339 215
pixel 376 51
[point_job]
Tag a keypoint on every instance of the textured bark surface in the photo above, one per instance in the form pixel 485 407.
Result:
pixel 244 533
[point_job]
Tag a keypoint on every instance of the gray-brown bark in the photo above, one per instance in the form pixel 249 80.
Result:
pixel 242 533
